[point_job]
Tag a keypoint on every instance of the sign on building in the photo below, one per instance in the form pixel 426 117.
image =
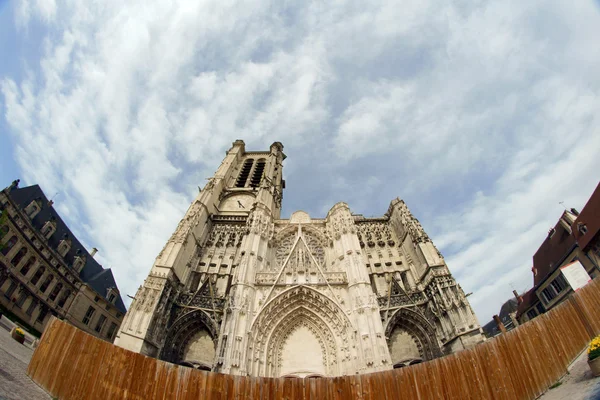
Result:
pixel 576 275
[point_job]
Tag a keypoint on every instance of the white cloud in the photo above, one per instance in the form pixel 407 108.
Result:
pixel 482 116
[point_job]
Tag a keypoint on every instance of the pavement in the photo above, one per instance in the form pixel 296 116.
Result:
pixel 578 384
pixel 14 358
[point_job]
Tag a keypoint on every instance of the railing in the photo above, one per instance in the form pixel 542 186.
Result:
pixel 520 364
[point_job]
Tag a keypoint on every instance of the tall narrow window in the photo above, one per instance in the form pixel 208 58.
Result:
pixel 258 173
pixel 88 315
pixel 38 274
pixel 55 291
pixel 46 283
pixel 9 245
pixel 42 315
pixel 63 299
pixel 19 256
pixel 25 268
pixel 100 323
pixel 22 297
pixel 244 173
pixel 111 330
pixel 31 307
pixel 11 289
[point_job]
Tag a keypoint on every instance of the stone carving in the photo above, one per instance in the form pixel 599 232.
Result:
pixel 374 234
pixel 225 235
pixel 260 224
pixel 344 279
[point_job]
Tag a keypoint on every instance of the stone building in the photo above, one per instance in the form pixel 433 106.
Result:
pixel 44 269
pixel 238 289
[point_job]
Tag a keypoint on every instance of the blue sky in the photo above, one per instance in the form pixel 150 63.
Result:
pixel 481 115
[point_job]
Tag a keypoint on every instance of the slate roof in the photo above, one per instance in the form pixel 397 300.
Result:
pixel 100 279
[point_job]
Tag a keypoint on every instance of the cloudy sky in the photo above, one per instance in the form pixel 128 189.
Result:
pixel 482 116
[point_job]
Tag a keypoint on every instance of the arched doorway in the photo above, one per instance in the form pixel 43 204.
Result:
pixel 301 332
pixel 191 341
pixel 411 338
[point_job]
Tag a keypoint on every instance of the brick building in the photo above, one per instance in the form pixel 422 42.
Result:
pixel 575 237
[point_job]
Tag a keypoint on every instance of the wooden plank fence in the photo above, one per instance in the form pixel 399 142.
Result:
pixel 520 364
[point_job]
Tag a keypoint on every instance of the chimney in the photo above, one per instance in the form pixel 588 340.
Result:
pixel 93 252
pixel 500 324
pixel 518 297
pixel 50 203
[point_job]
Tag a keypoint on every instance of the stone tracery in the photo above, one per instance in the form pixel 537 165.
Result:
pixel 299 305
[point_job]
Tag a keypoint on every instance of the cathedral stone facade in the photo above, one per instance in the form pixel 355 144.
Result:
pixel 239 290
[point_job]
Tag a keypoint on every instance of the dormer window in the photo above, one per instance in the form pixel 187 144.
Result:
pixel 582 228
pixel 64 245
pixel 48 229
pixel 33 208
pixel 79 262
pixel 112 295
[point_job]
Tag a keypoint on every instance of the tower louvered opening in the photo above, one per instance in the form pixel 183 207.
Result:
pixel 244 173
pixel 258 174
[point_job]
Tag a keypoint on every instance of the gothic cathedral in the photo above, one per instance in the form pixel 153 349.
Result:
pixel 239 290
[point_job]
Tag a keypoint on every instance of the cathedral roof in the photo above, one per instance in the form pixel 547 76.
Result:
pixel 100 279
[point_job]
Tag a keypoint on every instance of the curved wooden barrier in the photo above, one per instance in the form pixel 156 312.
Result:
pixel 521 364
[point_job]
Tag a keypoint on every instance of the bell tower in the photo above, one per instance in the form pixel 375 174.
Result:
pixel 256 177
pixel 245 181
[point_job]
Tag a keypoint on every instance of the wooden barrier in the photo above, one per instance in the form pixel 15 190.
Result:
pixel 520 364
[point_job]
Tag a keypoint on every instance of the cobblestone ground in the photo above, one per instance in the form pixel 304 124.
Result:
pixel 14 382
pixel 579 384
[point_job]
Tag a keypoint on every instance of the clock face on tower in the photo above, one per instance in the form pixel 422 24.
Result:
pixel 238 202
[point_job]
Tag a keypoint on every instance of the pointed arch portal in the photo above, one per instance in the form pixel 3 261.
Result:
pixel 191 341
pixel 301 332
pixel 411 338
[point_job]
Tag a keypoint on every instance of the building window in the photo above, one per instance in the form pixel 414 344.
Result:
pixel 540 308
pixel 31 307
pixel 63 247
pixel 9 245
pixel 46 283
pixel 32 209
pixel 100 323
pixel 548 294
pixel 88 315
pixel 55 291
pixel 79 263
pixel 11 289
pixel 258 173
pixel 38 274
pixel 559 284
pixel 48 229
pixel 64 299
pixel 25 268
pixel 42 314
pixel 19 256
pixel 244 173
pixel 96 299
pixel 111 330
pixel 22 297
pixel 111 298
pixel 531 314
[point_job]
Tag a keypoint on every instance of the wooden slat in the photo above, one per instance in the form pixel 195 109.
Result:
pixel 520 364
